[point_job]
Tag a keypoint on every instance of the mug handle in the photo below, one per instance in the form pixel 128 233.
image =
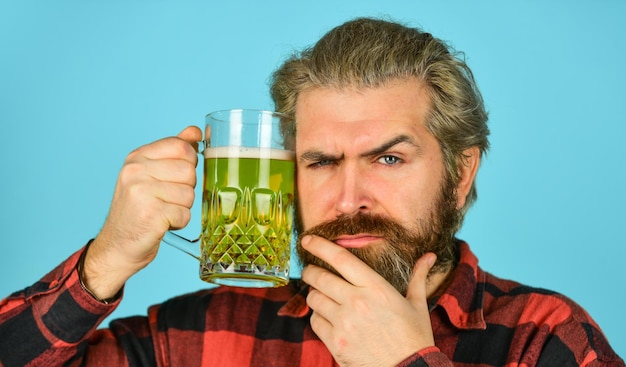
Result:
pixel 190 247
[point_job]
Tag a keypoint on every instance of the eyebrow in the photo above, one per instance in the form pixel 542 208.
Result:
pixel 318 155
pixel 390 144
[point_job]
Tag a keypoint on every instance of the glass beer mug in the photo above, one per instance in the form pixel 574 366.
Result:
pixel 247 200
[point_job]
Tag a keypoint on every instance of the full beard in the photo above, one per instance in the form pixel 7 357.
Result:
pixel 395 260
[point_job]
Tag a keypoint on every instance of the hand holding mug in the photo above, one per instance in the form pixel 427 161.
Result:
pixel 154 192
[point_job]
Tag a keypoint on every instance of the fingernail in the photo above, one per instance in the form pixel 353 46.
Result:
pixel 305 240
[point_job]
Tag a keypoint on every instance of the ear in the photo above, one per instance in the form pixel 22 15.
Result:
pixel 467 167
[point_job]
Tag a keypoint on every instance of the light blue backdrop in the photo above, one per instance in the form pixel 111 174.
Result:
pixel 82 83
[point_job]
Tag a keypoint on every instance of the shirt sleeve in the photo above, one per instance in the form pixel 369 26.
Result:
pixel 50 322
pixel 430 356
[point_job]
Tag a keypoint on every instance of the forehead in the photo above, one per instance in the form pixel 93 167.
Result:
pixel 327 114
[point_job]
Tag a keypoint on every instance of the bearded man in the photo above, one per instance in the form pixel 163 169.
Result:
pixel 389 133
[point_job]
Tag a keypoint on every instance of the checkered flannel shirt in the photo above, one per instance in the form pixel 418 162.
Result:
pixel 480 320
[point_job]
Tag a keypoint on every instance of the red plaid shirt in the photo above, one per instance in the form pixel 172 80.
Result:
pixel 481 320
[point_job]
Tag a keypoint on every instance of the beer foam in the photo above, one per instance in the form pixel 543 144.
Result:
pixel 247 152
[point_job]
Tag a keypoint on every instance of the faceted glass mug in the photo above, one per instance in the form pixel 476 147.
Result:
pixel 247 200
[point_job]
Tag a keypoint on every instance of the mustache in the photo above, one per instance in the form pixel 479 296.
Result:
pixel 355 224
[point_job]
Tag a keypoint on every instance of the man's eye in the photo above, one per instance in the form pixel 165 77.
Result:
pixel 321 163
pixel 389 160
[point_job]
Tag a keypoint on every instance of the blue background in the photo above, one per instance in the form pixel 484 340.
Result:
pixel 82 83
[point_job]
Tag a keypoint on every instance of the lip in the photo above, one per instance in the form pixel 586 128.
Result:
pixel 356 241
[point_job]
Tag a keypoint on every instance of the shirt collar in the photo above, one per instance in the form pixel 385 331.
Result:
pixel 296 306
pixel 462 301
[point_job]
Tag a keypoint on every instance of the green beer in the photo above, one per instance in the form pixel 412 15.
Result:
pixel 247 215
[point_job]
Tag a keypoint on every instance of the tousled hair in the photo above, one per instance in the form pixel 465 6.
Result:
pixel 369 53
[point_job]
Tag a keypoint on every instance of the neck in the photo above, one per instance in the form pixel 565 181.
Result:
pixel 437 283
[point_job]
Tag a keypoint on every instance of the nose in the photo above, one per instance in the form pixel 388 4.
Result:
pixel 352 191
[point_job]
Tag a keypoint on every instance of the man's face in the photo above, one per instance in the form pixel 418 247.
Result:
pixel 370 176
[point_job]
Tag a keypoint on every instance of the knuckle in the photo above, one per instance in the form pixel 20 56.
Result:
pixel 135 154
pixel 341 343
pixel 130 171
pixel 362 306
pixel 324 276
pixel 134 189
pixel 185 217
pixel 179 217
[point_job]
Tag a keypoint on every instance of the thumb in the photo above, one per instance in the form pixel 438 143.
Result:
pixel 191 134
pixel 416 292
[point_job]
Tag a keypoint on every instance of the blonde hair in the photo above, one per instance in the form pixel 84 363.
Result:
pixel 367 53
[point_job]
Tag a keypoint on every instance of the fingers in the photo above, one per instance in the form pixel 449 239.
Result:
pixel 172 159
pixel 183 146
pixel 331 284
pixel 320 325
pixel 351 268
pixel 417 289
pixel 154 193
pixel 176 214
pixel 161 177
pixel 166 170
pixel 173 193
